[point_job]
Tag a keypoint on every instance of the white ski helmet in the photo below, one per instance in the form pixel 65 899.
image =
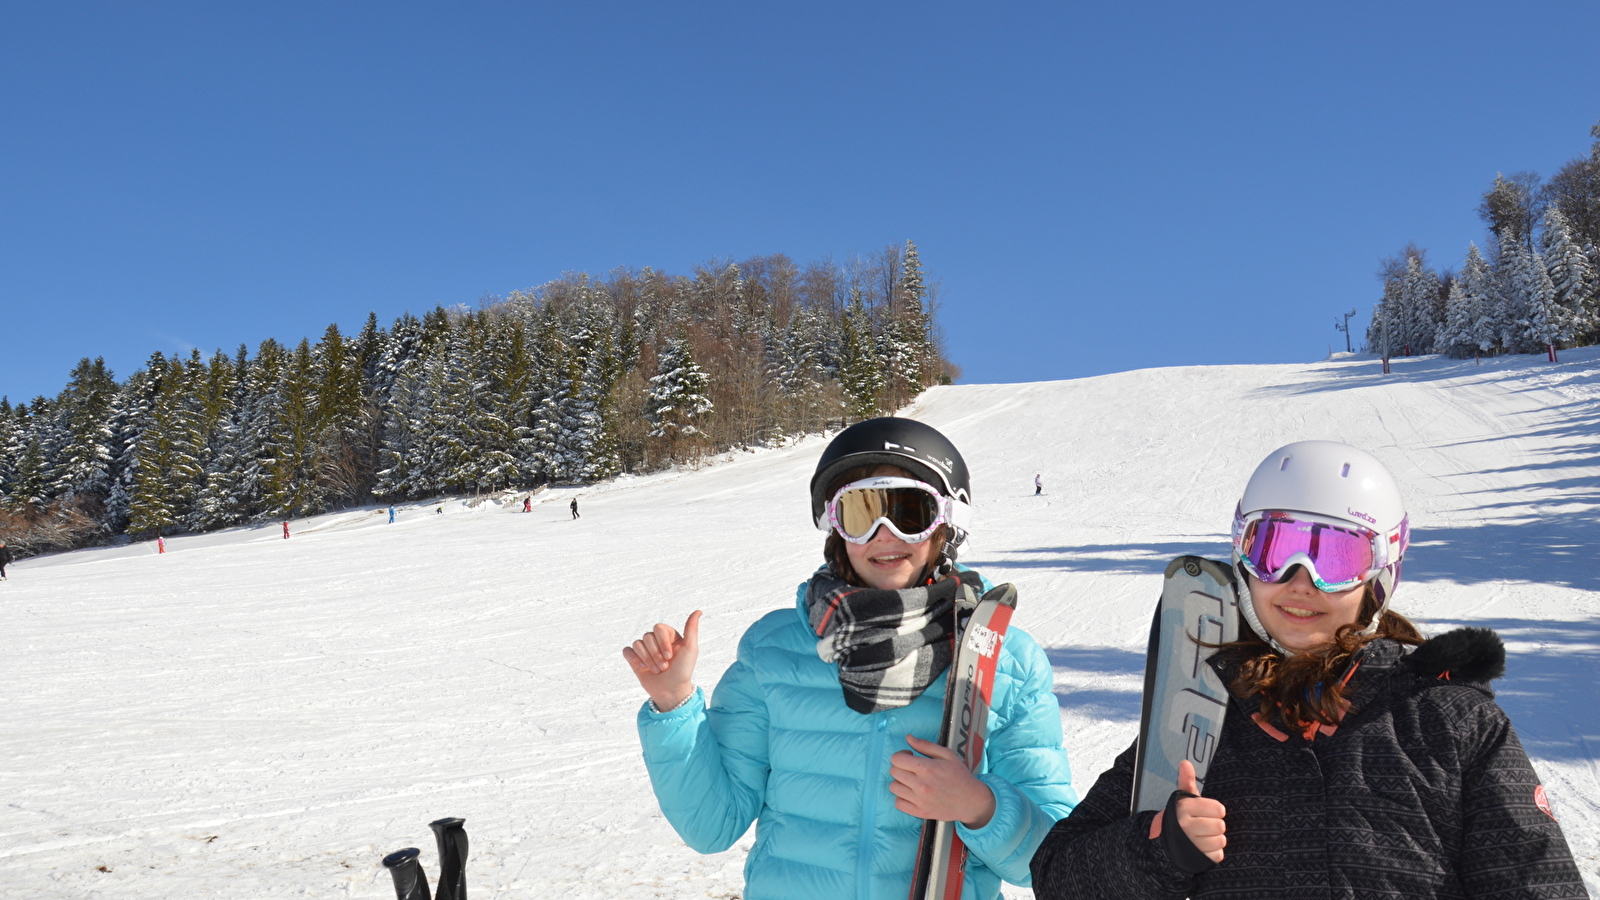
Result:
pixel 1331 481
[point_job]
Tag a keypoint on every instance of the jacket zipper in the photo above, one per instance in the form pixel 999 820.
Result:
pixel 869 810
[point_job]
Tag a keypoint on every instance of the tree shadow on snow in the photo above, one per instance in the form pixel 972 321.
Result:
pixel 1548 690
pixel 1102 702
pixel 1543 538
pixel 1128 559
pixel 1549 549
pixel 1579 369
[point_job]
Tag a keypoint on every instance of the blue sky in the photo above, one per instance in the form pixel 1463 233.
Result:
pixel 1097 188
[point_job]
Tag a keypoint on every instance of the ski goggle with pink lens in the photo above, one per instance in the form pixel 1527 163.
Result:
pixel 1337 555
pixel 910 509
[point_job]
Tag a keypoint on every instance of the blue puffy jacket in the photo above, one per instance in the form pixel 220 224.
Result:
pixel 778 746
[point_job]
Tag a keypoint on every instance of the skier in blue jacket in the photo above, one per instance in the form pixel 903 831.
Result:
pixel 822 730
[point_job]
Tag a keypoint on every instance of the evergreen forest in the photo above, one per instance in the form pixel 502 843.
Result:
pixel 1533 288
pixel 573 382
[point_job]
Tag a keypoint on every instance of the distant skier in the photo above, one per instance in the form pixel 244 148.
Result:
pixel 1038 485
pixel 286 531
pixel 161 545
pixel 794 720
pixel 5 559
pixel 527 503
pixel 575 508
pixel 391 515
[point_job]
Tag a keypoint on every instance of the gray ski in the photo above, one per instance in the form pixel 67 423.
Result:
pixel 1184 700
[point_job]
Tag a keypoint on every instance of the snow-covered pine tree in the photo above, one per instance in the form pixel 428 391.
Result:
pixel 258 421
pixel 400 437
pixel 860 369
pixel 436 327
pixel 404 345
pixel 550 415
pixel 1513 289
pixel 441 459
pixel 800 374
pixel 1577 289
pixel 679 390
pixel 181 410
pixel 1477 284
pixel 398 391
pixel 902 356
pixel 216 395
pixel 130 416
pixel 29 484
pixel 1383 332
pixel 10 451
pixel 1550 325
pixel 1454 337
pixel 222 501
pixel 291 487
pixel 915 318
pixel 165 457
pixel 341 445
pixel 595 438
pixel 370 345
pixel 82 468
pixel 1418 292
pixel 732 289
pixel 500 396
pixel 471 434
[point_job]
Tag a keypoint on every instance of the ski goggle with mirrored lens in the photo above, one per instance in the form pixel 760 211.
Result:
pixel 1337 555
pixel 911 509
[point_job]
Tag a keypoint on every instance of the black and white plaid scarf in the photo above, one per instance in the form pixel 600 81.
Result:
pixel 890 645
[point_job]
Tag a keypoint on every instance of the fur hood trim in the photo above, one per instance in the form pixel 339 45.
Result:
pixel 1466 654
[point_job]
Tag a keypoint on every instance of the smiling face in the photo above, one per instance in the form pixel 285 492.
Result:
pixel 886 562
pixel 1299 616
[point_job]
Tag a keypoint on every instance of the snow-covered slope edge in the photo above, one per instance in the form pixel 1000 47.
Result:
pixel 252 717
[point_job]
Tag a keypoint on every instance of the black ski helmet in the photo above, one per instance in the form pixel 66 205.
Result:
pixel 907 443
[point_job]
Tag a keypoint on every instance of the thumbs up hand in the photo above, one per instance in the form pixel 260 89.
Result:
pixel 663 661
pixel 1201 818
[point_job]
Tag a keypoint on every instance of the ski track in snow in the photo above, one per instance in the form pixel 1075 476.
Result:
pixel 251 717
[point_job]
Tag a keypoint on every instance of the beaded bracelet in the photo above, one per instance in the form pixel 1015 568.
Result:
pixel 659 711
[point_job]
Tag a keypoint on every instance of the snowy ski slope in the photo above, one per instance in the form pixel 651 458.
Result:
pixel 251 717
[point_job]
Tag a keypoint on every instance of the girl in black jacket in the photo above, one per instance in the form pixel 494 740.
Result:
pixel 1357 759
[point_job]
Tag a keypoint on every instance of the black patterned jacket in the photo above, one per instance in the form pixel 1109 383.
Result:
pixel 1422 791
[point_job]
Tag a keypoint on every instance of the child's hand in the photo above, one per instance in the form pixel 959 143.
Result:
pixel 1201 818
pixel 663 661
pixel 938 785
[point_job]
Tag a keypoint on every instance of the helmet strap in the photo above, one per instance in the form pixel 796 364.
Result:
pixel 1382 588
pixel 1248 608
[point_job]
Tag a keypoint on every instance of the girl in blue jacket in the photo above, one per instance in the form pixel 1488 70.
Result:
pixel 822 730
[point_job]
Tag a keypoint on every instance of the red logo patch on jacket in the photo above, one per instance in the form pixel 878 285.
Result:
pixel 1542 800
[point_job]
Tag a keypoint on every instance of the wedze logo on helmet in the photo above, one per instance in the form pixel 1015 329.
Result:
pixel 947 465
pixel 1362 516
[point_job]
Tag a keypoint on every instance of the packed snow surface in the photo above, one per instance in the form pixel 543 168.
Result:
pixel 246 716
